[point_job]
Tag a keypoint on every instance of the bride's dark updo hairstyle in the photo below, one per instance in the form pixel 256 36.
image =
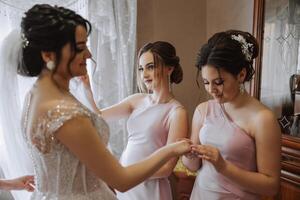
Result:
pixel 232 51
pixel 164 54
pixel 48 28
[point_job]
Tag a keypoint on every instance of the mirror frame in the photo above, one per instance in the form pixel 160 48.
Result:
pixel 258 32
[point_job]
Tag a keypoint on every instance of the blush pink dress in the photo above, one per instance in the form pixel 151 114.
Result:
pixel 235 145
pixel 148 128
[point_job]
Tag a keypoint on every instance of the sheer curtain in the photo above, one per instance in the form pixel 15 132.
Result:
pixel 280 53
pixel 113 44
pixel 113 47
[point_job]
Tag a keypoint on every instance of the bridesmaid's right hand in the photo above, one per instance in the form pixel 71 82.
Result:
pixel 86 81
pixel 21 183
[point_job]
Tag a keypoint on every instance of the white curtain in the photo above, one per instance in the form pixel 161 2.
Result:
pixel 112 42
pixel 280 52
pixel 113 46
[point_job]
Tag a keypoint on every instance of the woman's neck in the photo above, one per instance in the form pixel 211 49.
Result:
pixel 162 96
pixel 238 101
pixel 60 82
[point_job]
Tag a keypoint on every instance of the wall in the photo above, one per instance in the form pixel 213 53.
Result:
pixel 229 14
pixel 180 23
pixel 187 25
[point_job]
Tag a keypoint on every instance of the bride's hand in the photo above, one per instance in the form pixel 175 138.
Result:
pixel 181 147
pixel 189 154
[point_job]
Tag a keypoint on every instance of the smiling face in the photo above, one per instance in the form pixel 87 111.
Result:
pixel 153 76
pixel 146 69
pixel 221 85
pixel 77 66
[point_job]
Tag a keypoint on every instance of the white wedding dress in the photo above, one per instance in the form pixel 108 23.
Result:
pixel 59 175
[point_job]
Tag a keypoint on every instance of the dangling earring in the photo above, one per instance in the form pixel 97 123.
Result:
pixel 169 82
pixel 50 65
pixel 242 88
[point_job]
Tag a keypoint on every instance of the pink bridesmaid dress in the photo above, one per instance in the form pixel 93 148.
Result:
pixel 235 145
pixel 148 128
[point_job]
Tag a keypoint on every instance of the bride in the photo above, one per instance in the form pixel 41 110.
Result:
pixel 67 141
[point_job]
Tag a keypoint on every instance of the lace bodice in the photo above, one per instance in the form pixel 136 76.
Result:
pixel 59 174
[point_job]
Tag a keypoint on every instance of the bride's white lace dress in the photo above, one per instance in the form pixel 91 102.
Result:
pixel 59 175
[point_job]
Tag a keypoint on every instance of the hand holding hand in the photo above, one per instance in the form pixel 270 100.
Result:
pixel 210 154
pixel 191 155
pixel 182 146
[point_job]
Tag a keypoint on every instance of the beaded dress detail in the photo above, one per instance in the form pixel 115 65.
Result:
pixel 59 174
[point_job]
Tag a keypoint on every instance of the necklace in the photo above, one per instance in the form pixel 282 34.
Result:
pixel 167 100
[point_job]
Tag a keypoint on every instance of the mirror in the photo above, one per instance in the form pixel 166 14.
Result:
pixel 279 76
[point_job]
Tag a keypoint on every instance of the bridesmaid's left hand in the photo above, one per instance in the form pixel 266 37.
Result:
pixel 86 81
pixel 211 154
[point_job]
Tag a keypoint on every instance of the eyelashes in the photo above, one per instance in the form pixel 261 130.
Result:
pixel 81 48
pixel 219 82
pixel 148 67
pixel 216 82
pixel 77 50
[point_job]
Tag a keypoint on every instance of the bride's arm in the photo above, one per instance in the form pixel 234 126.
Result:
pixel 82 139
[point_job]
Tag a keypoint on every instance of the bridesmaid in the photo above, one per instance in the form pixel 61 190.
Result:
pixel 155 117
pixel 237 138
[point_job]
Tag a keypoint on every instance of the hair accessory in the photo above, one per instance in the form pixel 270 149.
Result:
pixel 50 65
pixel 245 46
pixel 25 42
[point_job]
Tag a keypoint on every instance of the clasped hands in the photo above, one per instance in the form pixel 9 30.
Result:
pixel 205 152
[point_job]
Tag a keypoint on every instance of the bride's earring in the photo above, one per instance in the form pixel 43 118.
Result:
pixel 50 65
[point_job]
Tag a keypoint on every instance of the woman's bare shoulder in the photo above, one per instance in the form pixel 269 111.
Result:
pixel 262 117
pixel 261 111
pixel 202 107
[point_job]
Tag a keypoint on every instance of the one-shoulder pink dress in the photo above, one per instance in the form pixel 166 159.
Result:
pixel 235 145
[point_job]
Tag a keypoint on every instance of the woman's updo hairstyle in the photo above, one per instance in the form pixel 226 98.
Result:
pixel 47 28
pixel 164 54
pixel 232 51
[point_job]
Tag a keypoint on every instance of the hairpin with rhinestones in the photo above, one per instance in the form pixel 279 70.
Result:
pixel 25 42
pixel 245 46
